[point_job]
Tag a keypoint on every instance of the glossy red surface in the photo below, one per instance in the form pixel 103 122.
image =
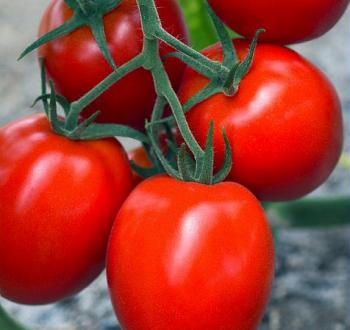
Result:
pixel 189 256
pixel 58 199
pixel 285 21
pixel 284 124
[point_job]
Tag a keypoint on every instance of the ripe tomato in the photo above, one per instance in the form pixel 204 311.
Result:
pixel 76 65
pixel 189 256
pixel 58 200
pixel 139 156
pixel 285 21
pixel 284 124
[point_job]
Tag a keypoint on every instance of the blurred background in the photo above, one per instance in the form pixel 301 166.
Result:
pixel 312 288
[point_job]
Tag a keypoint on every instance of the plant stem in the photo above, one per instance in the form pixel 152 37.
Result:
pixel 78 106
pixel 150 24
pixel 150 58
pixel 180 46
pixel 84 5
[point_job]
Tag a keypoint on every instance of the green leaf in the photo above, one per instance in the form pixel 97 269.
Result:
pixel 72 24
pixel 97 28
pixel 8 323
pixel 202 32
pixel 312 212
pixel 92 18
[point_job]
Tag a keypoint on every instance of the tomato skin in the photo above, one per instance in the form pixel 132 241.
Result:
pixel 284 124
pixel 139 156
pixel 285 22
pixel 76 65
pixel 58 199
pixel 207 258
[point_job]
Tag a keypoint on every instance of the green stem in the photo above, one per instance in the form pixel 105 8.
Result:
pixel 78 106
pixel 8 323
pixel 187 50
pixel 153 137
pixel 84 5
pixel 150 21
pixel 157 113
pixel 150 60
pixel 180 119
pixel 202 171
pixel 229 51
pixel 194 64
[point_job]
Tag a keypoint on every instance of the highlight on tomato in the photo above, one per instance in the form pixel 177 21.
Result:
pixel 284 123
pixel 185 255
pixel 59 199
pixel 285 21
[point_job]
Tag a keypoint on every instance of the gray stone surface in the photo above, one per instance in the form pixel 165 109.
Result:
pixel 311 290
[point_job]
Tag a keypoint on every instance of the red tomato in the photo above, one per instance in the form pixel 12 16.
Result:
pixel 58 200
pixel 284 124
pixel 139 156
pixel 76 65
pixel 285 21
pixel 189 256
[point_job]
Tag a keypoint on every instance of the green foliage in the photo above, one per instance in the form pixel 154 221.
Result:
pixel 312 212
pixel 8 323
pixel 202 32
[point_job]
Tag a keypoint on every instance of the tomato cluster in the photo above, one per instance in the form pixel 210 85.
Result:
pixel 180 255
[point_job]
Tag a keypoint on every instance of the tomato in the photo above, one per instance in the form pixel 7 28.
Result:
pixel 58 200
pixel 284 123
pixel 76 65
pixel 285 21
pixel 139 156
pixel 189 256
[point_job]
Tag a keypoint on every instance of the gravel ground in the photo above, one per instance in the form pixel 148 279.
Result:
pixel 311 290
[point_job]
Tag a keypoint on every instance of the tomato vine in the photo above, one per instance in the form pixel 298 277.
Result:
pixel 191 162
pixel 225 77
